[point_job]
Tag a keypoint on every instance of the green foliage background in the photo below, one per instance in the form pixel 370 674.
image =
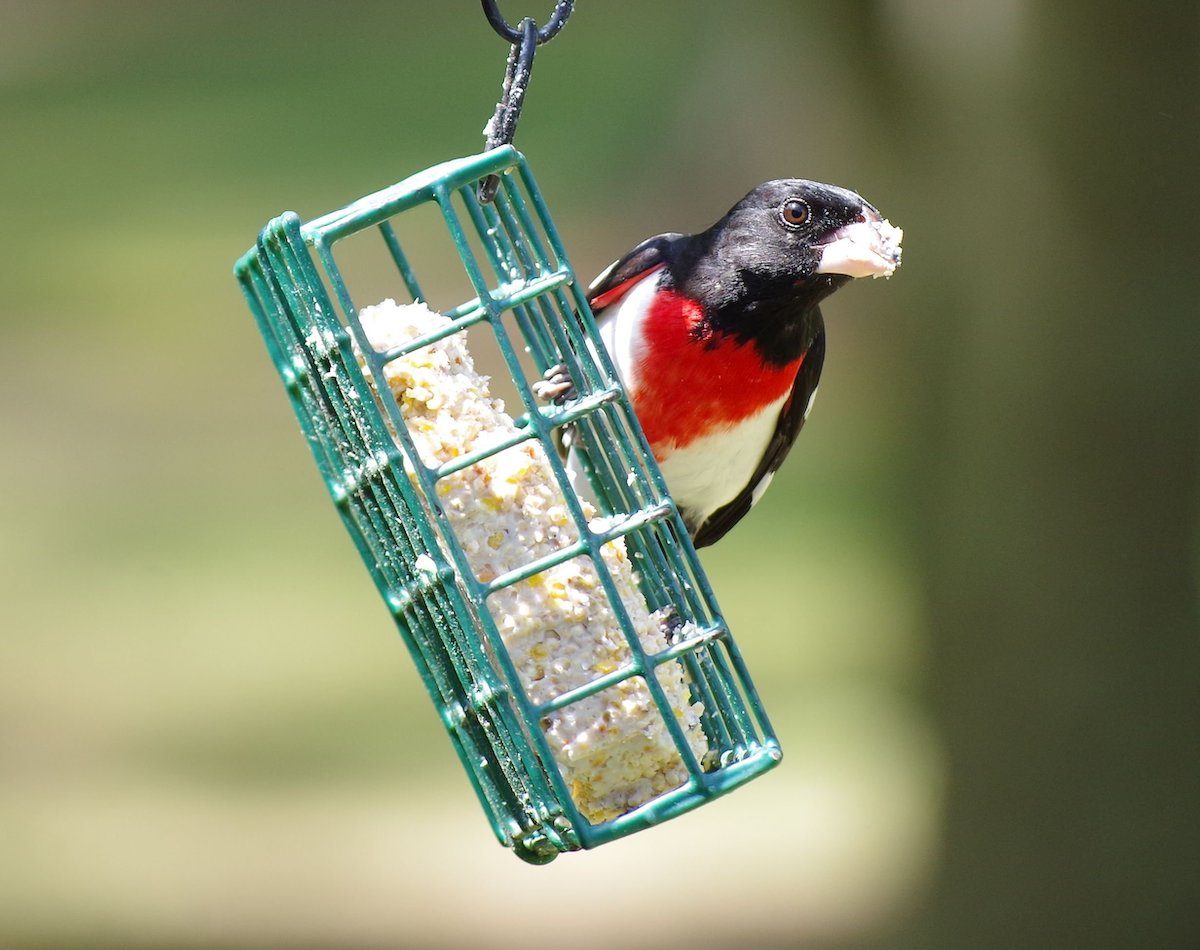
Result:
pixel 969 600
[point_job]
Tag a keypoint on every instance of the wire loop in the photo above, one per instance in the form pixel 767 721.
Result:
pixel 558 20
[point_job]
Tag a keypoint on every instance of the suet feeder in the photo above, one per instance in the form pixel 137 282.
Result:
pixel 387 494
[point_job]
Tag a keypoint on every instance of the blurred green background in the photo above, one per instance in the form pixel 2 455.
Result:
pixel 970 600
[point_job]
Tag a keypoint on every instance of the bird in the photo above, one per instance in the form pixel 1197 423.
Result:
pixel 719 341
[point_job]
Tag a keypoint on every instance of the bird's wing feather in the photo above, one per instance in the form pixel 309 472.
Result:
pixel 622 274
pixel 791 421
pixel 611 285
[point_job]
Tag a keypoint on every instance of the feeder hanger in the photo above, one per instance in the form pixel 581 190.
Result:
pixel 524 38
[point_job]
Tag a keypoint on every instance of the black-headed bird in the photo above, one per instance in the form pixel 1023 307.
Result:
pixel 719 341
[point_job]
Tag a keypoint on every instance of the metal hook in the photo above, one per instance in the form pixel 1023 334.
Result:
pixel 525 39
pixel 558 20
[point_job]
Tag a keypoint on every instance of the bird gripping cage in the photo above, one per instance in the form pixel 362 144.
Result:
pixel 387 495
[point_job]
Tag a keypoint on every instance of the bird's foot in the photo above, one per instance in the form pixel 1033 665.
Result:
pixel 556 385
pixel 671 622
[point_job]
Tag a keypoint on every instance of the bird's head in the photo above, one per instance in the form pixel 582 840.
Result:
pixel 795 237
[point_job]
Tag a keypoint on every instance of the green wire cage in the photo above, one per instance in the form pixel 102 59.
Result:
pixel 386 494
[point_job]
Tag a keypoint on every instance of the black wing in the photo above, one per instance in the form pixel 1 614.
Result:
pixel 791 421
pixel 622 274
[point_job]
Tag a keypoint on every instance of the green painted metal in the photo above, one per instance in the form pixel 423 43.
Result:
pixel 309 321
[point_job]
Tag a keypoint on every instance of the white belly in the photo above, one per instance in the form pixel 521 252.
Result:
pixel 709 472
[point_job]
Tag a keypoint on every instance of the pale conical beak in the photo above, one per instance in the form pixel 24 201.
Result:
pixel 868 247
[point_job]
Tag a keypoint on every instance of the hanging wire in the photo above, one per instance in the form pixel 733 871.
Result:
pixel 524 38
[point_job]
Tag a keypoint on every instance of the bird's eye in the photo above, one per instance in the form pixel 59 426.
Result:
pixel 794 213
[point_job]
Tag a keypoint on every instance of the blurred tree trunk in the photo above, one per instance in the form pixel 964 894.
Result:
pixel 1060 416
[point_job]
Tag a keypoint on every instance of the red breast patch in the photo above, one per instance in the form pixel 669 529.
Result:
pixel 691 382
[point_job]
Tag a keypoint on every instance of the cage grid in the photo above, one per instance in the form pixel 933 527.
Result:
pixel 386 495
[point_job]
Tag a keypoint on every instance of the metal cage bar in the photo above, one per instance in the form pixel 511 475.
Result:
pixel 386 494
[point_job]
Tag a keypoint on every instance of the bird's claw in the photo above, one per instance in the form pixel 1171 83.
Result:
pixel 556 385
pixel 671 622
